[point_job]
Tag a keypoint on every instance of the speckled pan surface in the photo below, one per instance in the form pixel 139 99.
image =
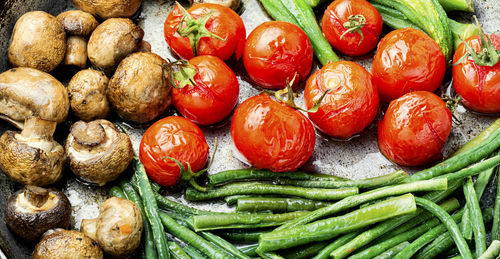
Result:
pixel 357 158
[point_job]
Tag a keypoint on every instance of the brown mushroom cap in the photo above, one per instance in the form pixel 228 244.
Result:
pixel 38 41
pixel 139 90
pixel 78 23
pixel 33 210
pixel 87 93
pixel 66 244
pixel 32 157
pixel 113 40
pixel 109 8
pixel 97 152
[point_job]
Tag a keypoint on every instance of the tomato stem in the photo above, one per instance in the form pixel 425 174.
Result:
pixel 353 25
pixel 180 71
pixel 452 104
pixel 195 29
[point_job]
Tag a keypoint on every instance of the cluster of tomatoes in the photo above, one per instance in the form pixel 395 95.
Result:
pixel 407 68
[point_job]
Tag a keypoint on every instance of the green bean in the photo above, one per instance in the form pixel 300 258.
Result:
pixel 116 191
pixel 166 204
pixel 189 237
pixel 325 253
pixel 476 217
pixel 268 255
pixel 480 138
pixel 473 169
pixel 329 228
pixel 449 224
pixel 495 229
pixel 243 235
pixel 223 244
pixel 492 252
pixel 250 249
pixel 462 159
pixel 390 253
pixel 355 200
pixel 256 174
pixel 242 220
pixel 306 251
pixel 233 199
pixel 151 209
pixel 364 238
pixel 263 188
pixel 194 253
pixel 177 252
pixel 278 204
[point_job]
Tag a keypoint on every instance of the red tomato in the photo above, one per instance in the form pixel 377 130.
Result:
pixel 223 22
pixel 271 135
pixel 175 137
pixel 414 129
pixel 214 95
pixel 349 106
pixel 407 60
pixel 479 86
pixel 275 51
pixel 342 15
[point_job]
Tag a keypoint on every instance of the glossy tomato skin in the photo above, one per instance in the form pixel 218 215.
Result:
pixel 407 60
pixel 274 52
pixel 414 129
pixel 338 13
pixel 175 137
pixel 350 105
pixel 479 86
pixel 271 135
pixel 223 22
pixel 213 97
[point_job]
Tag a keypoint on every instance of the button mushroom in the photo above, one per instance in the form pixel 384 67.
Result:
pixel 139 90
pixel 109 8
pixel 97 152
pixel 78 25
pixel 33 210
pixel 32 157
pixel 87 94
pixel 118 227
pixel 27 91
pixel 113 40
pixel 66 244
pixel 38 41
pixel 233 4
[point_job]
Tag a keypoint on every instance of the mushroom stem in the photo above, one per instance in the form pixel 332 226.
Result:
pixel 76 52
pixel 37 196
pixel 35 127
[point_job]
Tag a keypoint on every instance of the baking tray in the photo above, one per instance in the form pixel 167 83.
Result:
pixel 354 159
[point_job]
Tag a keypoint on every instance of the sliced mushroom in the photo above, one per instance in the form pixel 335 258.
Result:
pixel 139 90
pixel 78 25
pixel 32 157
pixel 233 4
pixel 118 227
pixel 38 41
pixel 112 41
pixel 97 152
pixel 33 210
pixel 87 94
pixel 109 8
pixel 27 91
pixel 66 244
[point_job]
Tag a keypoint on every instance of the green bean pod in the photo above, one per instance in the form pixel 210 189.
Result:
pixel 116 191
pixel 480 138
pixel 245 236
pixel 492 252
pixel 390 253
pixel 325 252
pixel 306 251
pixel 473 169
pixel 250 250
pixel 242 220
pixel 176 251
pixel 476 217
pixel 194 253
pixel 278 204
pixel 167 204
pixel 224 244
pixel 495 229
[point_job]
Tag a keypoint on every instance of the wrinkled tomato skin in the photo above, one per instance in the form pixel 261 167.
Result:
pixel 414 129
pixel 175 137
pixel 350 105
pixel 274 52
pixel 407 60
pixel 223 22
pixel 338 13
pixel 271 135
pixel 479 86
pixel 214 94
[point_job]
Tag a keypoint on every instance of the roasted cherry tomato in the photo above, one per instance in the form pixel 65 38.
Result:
pixel 478 85
pixel 349 106
pixel 407 60
pixel 352 26
pixel 222 35
pixel 175 137
pixel 271 135
pixel 213 95
pixel 276 51
pixel 414 129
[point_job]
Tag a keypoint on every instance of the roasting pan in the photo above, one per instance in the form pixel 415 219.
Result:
pixel 356 158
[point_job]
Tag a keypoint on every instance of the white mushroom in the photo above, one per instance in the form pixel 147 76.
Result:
pixel 109 8
pixel 87 94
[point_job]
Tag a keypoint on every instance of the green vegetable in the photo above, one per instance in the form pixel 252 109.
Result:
pixel 473 169
pixel 492 252
pixel 194 253
pixel 242 235
pixel 167 204
pixel 331 227
pixel 250 250
pixel 300 13
pixel 476 217
pixel 306 251
pixel 263 188
pixel 457 5
pixel 233 199
pixel 479 139
pixel 242 220
pixel 495 229
pixel 278 204
pixel 390 253
pixel 325 252
pixel 177 252
pixel 116 191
